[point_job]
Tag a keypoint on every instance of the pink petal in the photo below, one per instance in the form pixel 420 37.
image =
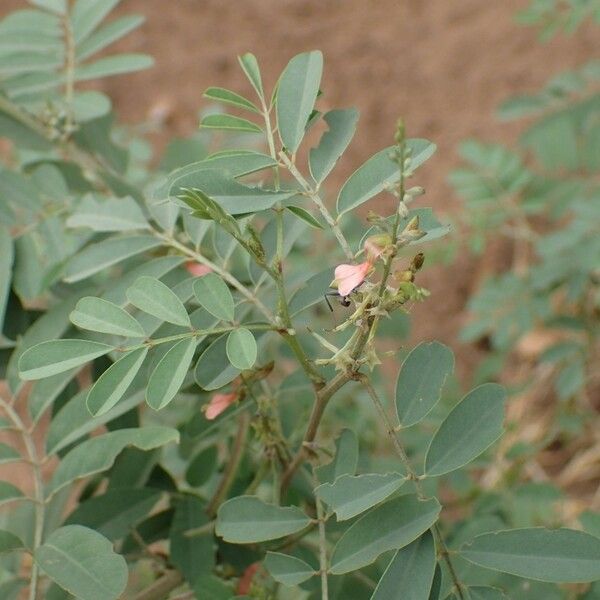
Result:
pixel 197 269
pixel 349 277
pixel 218 403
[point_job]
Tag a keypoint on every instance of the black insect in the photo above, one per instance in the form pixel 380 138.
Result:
pixel 344 300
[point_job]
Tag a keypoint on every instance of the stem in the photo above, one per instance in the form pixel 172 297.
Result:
pixel 322 545
pixel 38 491
pixel 314 196
pixel 69 68
pixel 394 436
pixel 161 587
pixel 232 466
pixel 221 272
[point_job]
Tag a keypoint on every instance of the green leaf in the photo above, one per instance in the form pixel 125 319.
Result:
pixel 155 298
pixel 98 257
pixel 250 67
pixel 112 214
pixel 6 263
pixel 349 495
pixel 342 125
pixel 214 295
pixel 114 513
pixel 202 466
pixel 486 593
pixel 247 519
pixel 194 556
pixel 311 292
pixel 118 64
pixel 213 369
pixel 229 123
pixel 50 358
pixel 229 97
pixel 96 314
pixel 8 454
pixel 88 14
pixel 378 173
pixel 296 94
pixel 303 214
pixel 84 563
pixel 73 420
pixel 410 573
pixel 115 381
pixel 473 425
pixel 389 526
pixel 169 373
pixel 99 453
pixel 420 381
pixel 9 542
pixel 9 492
pixel 90 105
pixel 345 460
pixel 233 197
pixel 556 556
pixel 107 34
pixel 288 570
pixel 241 349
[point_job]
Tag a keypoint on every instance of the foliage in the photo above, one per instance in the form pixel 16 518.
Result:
pixel 182 361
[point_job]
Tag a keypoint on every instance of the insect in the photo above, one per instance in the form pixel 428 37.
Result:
pixel 344 300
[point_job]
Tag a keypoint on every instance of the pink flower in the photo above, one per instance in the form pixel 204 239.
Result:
pixel 218 403
pixel 197 269
pixel 349 277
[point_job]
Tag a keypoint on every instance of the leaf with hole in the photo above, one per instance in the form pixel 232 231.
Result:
pixel 349 495
pixel 288 570
pixel 155 298
pixel 555 556
pixel 241 349
pixel 83 562
pixel 115 381
pixel 389 526
pixel 420 381
pixel 53 357
pixel 169 373
pixel 473 425
pixel 247 519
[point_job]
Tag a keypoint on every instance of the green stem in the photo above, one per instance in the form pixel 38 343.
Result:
pixel 69 68
pixel 394 437
pixel 38 487
pixel 235 458
pixel 314 196
pixel 225 275
pixel 323 566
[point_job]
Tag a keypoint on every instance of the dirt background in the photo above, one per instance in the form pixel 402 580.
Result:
pixel 443 65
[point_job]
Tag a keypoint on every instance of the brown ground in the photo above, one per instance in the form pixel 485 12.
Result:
pixel 444 65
